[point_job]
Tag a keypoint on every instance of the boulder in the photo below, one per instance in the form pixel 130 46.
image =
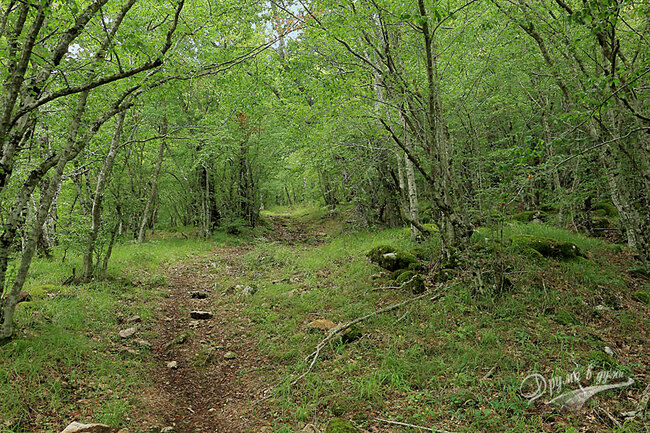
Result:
pixel 390 258
pixel 76 427
pixel 339 425
pixel 201 315
pixel 127 333
pixel 549 248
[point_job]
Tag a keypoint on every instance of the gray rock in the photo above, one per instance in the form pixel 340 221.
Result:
pixel 76 427
pixel 249 290
pixel 127 333
pixel 134 319
pixel 201 315
pixel 230 355
pixel 172 365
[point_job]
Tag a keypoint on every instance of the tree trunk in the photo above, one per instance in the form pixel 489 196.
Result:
pixel 96 211
pixel 154 185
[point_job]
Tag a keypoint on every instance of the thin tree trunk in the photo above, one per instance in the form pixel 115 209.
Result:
pixel 96 211
pixel 154 185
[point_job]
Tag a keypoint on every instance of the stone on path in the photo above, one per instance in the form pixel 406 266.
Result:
pixel 127 333
pixel 201 315
pixel 76 427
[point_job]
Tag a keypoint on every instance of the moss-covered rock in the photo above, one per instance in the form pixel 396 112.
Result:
pixel 416 267
pixel 390 258
pixel 548 247
pixel 607 208
pixel 443 275
pixel 404 277
pixel 566 318
pixel 339 425
pixel 642 296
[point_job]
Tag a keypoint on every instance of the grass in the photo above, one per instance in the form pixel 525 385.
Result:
pixel 456 364
pixel 66 362
pixel 425 364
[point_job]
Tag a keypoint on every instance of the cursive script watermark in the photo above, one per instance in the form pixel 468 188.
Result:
pixel 573 389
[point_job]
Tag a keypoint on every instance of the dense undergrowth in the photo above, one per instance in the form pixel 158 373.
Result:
pixel 457 363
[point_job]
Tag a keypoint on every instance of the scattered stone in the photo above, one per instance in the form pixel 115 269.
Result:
pixel 201 315
pixel 198 294
pixel 322 324
pixel 142 343
pixel 609 351
pixel 127 333
pixel 249 290
pixel 339 425
pixel 134 319
pixel 173 365
pixel 76 427
pixel 230 355
pixel 168 319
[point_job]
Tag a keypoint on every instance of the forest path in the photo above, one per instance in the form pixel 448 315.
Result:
pixel 221 377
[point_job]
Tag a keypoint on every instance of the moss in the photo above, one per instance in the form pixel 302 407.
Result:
pixel 416 267
pixel 422 253
pixel 404 277
pixel 548 247
pixel 607 208
pixel 642 296
pixel 390 258
pixel 339 425
pixel 566 318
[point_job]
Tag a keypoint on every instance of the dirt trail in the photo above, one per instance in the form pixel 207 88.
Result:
pixel 209 392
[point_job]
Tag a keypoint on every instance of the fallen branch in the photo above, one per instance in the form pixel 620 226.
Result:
pixel 404 284
pixel 404 424
pixel 340 328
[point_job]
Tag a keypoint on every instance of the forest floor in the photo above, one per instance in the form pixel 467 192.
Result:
pixel 456 364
